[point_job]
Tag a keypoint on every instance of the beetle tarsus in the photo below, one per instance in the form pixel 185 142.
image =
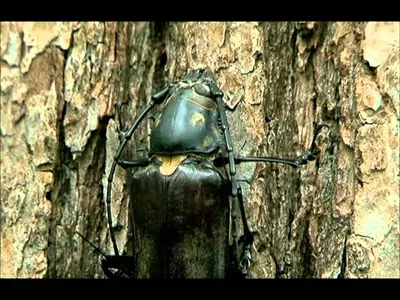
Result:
pixel 245 261
pixel 123 266
pixel 313 151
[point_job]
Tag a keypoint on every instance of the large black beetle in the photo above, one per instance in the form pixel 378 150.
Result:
pixel 185 200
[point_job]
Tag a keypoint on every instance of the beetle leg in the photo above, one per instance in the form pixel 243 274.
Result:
pixel 248 239
pixel 160 96
pixel 218 94
pixel 309 155
pixel 113 262
pixel 234 215
pixel 119 263
pixel 129 163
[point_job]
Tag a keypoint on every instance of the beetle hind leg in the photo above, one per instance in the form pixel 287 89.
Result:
pixel 247 238
pixel 118 267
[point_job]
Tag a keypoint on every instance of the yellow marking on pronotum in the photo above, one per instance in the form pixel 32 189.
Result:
pixel 170 163
pixel 196 118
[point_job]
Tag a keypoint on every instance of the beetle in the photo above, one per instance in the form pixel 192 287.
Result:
pixel 185 199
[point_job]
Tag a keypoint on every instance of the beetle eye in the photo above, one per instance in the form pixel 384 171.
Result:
pixel 202 89
pixel 200 74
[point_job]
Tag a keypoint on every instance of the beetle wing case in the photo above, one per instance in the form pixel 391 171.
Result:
pixel 181 221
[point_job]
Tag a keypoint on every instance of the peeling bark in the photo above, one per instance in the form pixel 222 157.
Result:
pixel 336 217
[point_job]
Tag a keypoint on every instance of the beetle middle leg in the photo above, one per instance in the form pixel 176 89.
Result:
pixel 309 155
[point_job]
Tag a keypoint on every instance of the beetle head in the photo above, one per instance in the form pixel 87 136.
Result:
pixel 199 75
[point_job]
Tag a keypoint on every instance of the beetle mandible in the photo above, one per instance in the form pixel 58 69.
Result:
pixel 185 199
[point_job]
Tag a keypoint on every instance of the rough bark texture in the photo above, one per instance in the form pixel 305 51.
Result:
pixel 335 217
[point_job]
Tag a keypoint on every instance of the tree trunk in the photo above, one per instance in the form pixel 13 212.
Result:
pixel 335 217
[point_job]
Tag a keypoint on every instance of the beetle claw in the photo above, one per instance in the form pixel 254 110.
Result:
pixel 117 267
pixel 245 262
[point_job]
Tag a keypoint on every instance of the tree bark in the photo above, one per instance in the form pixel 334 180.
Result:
pixel 335 217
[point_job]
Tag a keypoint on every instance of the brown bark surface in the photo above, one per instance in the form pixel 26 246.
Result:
pixel 335 217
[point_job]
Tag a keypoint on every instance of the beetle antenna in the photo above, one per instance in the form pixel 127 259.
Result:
pixel 91 244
